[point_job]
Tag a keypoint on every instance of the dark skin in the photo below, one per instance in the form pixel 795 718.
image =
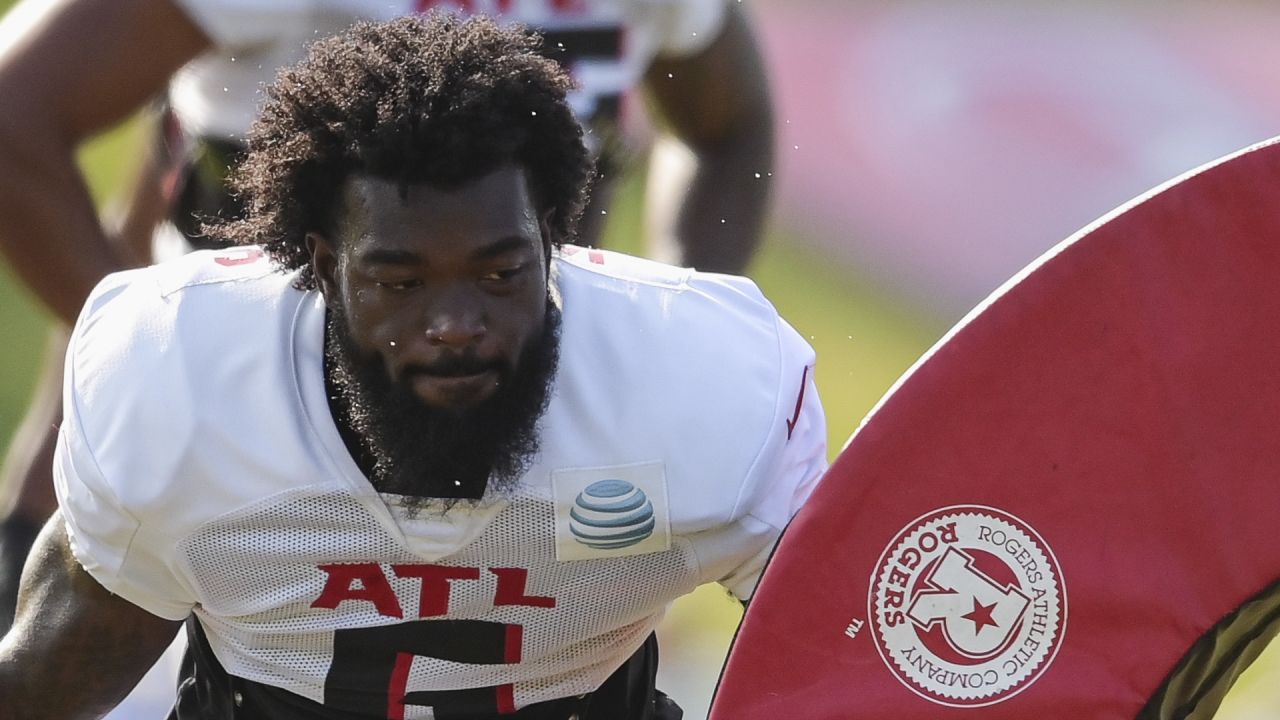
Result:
pixel 85 67
pixel 717 104
pixel 437 272
pixel 75 650
pixel 427 276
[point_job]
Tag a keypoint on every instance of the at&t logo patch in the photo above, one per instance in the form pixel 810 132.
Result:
pixel 968 606
pixel 611 511
pixel 611 514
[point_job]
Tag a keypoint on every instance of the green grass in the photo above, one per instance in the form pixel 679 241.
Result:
pixel 22 326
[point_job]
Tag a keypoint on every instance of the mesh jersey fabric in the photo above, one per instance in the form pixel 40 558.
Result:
pixel 613 41
pixel 199 471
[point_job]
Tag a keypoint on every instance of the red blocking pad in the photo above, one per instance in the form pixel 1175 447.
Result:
pixel 1077 483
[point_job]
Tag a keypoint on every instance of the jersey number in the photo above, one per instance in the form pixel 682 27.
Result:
pixel 370 670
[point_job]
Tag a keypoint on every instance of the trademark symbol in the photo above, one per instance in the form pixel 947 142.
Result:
pixel 855 626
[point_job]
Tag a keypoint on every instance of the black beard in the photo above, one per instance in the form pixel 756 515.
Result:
pixel 409 448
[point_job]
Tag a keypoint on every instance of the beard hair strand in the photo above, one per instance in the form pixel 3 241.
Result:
pixel 434 457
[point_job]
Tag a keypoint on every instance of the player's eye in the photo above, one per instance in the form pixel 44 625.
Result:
pixel 503 275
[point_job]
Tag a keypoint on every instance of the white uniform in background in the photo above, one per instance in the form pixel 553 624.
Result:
pixel 607 45
pixel 218 94
pixel 199 471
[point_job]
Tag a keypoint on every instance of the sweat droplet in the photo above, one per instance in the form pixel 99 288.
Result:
pixel 393 343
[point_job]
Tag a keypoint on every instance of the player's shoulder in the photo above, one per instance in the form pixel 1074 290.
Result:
pixel 165 355
pixel 628 296
pixel 218 268
pixel 180 381
pixel 171 322
pixel 651 286
pixel 129 301
pixel 675 354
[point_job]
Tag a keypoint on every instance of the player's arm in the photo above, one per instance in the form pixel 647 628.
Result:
pixel 716 103
pixel 792 462
pixel 68 70
pixel 75 649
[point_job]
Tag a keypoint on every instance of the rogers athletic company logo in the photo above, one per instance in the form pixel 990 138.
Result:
pixel 969 606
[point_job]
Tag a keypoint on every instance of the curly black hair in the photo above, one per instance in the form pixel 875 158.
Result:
pixel 430 99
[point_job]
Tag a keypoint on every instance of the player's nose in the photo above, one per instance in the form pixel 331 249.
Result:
pixel 455 320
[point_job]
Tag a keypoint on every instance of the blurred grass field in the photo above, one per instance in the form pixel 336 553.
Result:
pixel 864 342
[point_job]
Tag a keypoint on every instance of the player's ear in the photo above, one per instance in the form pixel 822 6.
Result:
pixel 324 265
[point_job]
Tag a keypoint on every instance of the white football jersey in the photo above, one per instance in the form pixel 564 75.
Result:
pixel 199 471
pixel 606 44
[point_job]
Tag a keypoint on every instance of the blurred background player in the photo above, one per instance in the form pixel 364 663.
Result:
pixel 72 68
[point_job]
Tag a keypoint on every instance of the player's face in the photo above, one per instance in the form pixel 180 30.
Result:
pixel 445 288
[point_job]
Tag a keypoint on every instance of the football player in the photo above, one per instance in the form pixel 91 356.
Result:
pixel 408 454
pixel 71 68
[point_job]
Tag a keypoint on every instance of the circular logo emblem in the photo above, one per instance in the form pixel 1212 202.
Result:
pixel 611 514
pixel 969 606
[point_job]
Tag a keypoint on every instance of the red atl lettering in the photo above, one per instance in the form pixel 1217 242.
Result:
pixel 367 582
pixel 433 597
pixel 511 583
pixel 358 581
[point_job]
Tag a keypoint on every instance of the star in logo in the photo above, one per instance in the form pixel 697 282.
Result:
pixel 981 616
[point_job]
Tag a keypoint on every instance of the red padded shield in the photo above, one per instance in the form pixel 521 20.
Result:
pixel 1068 491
